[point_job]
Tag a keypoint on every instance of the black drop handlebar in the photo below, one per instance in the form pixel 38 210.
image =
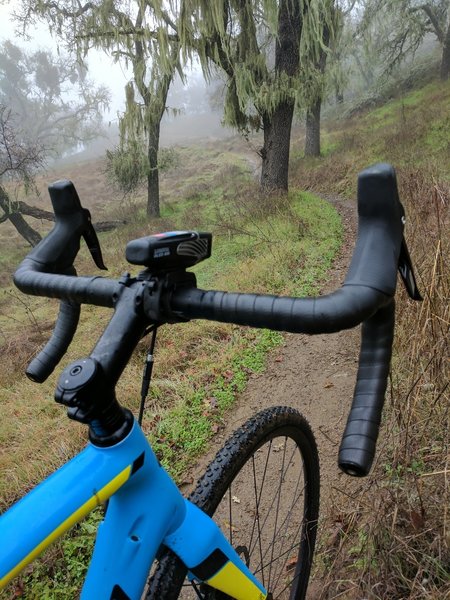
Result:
pixel 366 296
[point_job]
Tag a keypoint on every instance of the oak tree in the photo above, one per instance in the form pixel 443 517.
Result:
pixel 47 107
pixel 19 159
pixel 142 36
pixel 58 105
pixel 259 45
pixel 403 25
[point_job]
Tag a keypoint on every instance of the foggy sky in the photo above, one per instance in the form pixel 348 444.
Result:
pixel 102 69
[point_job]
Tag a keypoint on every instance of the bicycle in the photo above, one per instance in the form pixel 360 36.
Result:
pixel 146 517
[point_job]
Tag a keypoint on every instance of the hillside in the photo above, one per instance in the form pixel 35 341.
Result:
pixel 390 540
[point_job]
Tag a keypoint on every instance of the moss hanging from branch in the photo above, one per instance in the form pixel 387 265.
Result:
pixel 142 35
pixel 240 36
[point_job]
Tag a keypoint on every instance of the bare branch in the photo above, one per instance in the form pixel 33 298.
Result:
pixel 429 11
pixel 32 211
pixel 17 157
pixel 114 33
pixel 55 6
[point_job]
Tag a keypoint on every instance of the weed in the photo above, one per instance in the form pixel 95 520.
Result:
pixel 403 507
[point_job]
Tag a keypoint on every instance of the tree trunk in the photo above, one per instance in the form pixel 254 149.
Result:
pixel 33 211
pixel 275 152
pixel 312 140
pixel 153 174
pixel 277 125
pixel 25 230
pixel 445 60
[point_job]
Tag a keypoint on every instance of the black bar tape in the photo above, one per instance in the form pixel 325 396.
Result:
pixel 57 251
pixel 48 271
pixel 47 359
pixel 99 291
pixel 365 296
pixel 358 444
pixel 343 309
pixel 73 291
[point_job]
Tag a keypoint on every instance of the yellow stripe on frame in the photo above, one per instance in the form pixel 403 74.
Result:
pixel 98 498
pixel 233 582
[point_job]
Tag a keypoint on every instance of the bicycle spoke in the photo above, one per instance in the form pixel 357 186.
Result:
pixel 274 588
pixel 287 519
pixel 296 533
pixel 231 516
pixel 281 527
pixel 277 510
pixel 258 498
pixel 269 510
pixel 285 553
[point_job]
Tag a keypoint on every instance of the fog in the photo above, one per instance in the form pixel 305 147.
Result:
pixel 194 109
pixel 188 118
pixel 102 68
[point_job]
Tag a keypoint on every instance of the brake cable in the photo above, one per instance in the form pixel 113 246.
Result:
pixel 147 374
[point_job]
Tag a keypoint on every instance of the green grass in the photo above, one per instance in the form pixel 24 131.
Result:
pixel 438 138
pixel 285 246
pixel 411 132
pixel 185 431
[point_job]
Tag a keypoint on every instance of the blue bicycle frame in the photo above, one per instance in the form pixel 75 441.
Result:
pixel 145 510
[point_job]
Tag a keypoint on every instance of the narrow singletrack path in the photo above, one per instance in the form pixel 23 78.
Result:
pixel 316 375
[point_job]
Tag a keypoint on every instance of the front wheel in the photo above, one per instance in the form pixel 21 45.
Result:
pixel 263 490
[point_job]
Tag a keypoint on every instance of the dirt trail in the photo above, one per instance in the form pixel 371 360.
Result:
pixel 316 375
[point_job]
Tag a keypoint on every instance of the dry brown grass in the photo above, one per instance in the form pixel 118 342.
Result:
pixel 392 539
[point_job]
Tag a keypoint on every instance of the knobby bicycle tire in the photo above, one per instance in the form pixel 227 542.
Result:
pixel 279 553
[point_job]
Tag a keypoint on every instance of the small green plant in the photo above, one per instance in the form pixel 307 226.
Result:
pixel 363 552
pixel 127 166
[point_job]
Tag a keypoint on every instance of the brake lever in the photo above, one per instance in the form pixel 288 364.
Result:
pixel 93 244
pixel 405 268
